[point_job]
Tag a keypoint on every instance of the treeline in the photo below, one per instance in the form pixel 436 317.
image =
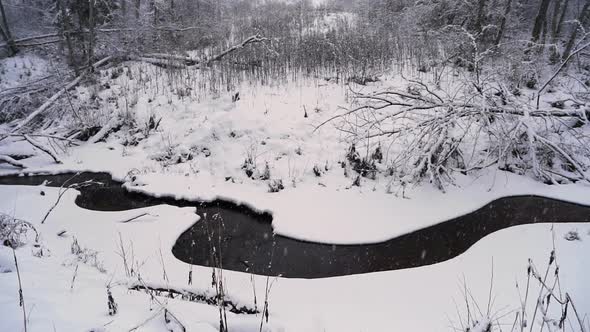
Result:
pixel 341 38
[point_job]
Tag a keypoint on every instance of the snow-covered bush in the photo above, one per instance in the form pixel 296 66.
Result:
pixel 15 232
pixel 437 131
pixel 364 166
pixel 266 173
pixel 86 256
pixel 317 171
pixel 112 305
pixel 275 185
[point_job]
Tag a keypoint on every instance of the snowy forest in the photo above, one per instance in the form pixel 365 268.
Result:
pixel 294 165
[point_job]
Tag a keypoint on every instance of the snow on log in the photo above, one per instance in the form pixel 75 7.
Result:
pixel 179 61
pixel 104 130
pixel 56 96
pixel 42 148
pixel 249 40
pixel 11 161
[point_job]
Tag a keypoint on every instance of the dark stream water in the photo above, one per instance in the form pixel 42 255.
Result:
pixel 244 240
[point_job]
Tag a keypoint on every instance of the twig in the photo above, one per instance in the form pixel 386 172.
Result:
pixel 133 218
pixel 74 277
pixel 62 192
pixel 20 291
pixel 148 319
pixel 167 311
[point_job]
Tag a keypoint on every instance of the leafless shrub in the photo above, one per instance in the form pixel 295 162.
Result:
pixel 543 304
pixel 112 305
pixel 85 256
pixel 465 128
pixel 275 185
pixel 14 232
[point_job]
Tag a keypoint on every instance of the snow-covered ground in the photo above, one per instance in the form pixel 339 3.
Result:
pixel 19 70
pixel 428 298
pixel 202 142
pixel 198 152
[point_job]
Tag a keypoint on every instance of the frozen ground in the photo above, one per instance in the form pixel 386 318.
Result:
pixel 419 299
pixel 200 147
pixel 198 151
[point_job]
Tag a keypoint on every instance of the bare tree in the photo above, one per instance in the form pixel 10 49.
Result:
pixel 582 22
pixel 540 20
pixel 5 30
pixel 503 22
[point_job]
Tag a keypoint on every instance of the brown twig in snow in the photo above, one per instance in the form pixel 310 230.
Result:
pixel 20 291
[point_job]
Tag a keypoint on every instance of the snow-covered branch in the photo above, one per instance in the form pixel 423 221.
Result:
pixel 441 132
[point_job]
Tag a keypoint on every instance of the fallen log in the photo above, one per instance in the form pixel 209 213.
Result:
pixel 180 61
pixel 160 62
pixel 56 96
pixel 11 161
pixel 104 130
pixel 250 40
pixel 185 59
pixel 192 296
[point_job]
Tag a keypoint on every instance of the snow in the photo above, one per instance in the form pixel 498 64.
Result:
pixel 21 69
pixel 417 299
pixel 314 212
pixel 212 137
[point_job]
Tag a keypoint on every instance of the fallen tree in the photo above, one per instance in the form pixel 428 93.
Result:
pixel 192 296
pixel 436 132
pixel 55 97
pixel 159 59
pixel 180 61
pixel 11 161
pixel 166 60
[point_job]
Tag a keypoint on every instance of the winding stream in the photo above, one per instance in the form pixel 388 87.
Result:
pixel 248 244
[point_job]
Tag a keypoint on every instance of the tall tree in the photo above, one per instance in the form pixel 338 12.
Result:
pixel 91 36
pixel 65 28
pixel 503 22
pixel 583 20
pixel 5 31
pixel 540 20
pixel 481 4
pixel 561 18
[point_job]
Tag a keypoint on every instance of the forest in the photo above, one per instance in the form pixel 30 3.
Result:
pixel 294 165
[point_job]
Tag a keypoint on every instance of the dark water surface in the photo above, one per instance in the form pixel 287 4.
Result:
pixel 244 239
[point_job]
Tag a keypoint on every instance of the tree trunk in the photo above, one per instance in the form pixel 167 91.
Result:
pixel 583 21
pixel 155 10
pixel 91 36
pixel 544 32
pixel 503 22
pixel 5 31
pixel 540 20
pixel 480 14
pixel 65 31
pixel 561 18
pixel 555 19
pixel 137 8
